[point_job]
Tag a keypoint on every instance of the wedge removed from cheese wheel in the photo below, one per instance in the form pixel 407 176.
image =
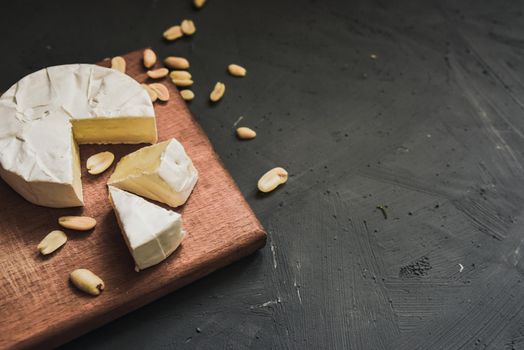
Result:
pixel 151 232
pixel 45 115
pixel 162 172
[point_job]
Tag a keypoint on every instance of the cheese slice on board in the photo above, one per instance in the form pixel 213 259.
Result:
pixel 151 232
pixel 45 115
pixel 162 172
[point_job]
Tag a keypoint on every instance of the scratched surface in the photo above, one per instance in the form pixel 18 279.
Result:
pixel 432 130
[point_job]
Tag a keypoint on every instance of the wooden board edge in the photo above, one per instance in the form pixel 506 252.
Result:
pixel 52 339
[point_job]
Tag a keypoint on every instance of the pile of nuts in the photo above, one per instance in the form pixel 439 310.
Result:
pixel 182 78
pixel 178 75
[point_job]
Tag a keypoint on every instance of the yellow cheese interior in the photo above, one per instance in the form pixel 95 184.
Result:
pixel 109 130
pixel 115 130
pixel 143 161
pixel 137 173
pixel 77 183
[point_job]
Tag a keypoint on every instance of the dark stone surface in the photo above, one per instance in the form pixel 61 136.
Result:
pixel 433 128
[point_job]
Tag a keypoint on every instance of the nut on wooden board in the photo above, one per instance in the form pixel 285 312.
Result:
pixel 78 223
pixel 87 281
pixel 51 242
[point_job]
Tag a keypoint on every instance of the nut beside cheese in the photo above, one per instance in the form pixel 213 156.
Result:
pixel 100 162
pixel 79 223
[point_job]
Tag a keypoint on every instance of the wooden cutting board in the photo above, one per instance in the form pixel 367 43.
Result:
pixel 38 305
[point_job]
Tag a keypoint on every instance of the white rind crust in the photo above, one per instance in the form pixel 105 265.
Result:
pixel 151 232
pixel 37 152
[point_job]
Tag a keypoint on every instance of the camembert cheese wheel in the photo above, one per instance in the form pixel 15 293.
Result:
pixel 45 115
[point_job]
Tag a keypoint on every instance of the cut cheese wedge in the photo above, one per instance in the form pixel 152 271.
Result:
pixel 162 172
pixel 151 232
pixel 47 113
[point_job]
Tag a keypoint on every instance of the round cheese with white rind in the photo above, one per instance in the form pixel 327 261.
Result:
pixel 45 115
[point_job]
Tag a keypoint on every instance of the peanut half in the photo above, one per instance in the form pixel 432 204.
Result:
pixel 180 75
pixel 87 281
pixel 174 62
pixel 272 179
pixel 51 242
pixel 149 58
pixel 187 94
pixel 173 33
pixel 182 82
pixel 161 91
pixel 152 94
pixel 98 163
pixel 158 73
pixel 199 3
pixel 188 27
pixel 217 92
pixel 118 63
pixel 246 133
pixel 236 70
pixel 79 223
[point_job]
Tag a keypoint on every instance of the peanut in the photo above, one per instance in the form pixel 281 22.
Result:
pixel 236 70
pixel 217 92
pixel 161 91
pixel 79 223
pixel 173 33
pixel 272 179
pixel 187 95
pixel 87 281
pixel 246 133
pixel 158 73
pixel 180 75
pixel 51 242
pixel 118 63
pixel 149 58
pixel 199 3
pixel 98 163
pixel 174 62
pixel 182 82
pixel 188 27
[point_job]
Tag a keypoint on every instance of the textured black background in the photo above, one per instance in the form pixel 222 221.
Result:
pixel 433 129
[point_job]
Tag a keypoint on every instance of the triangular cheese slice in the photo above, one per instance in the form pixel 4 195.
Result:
pixel 161 172
pixel 151 232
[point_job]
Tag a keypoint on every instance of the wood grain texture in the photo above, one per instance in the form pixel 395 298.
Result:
pixel 39 307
